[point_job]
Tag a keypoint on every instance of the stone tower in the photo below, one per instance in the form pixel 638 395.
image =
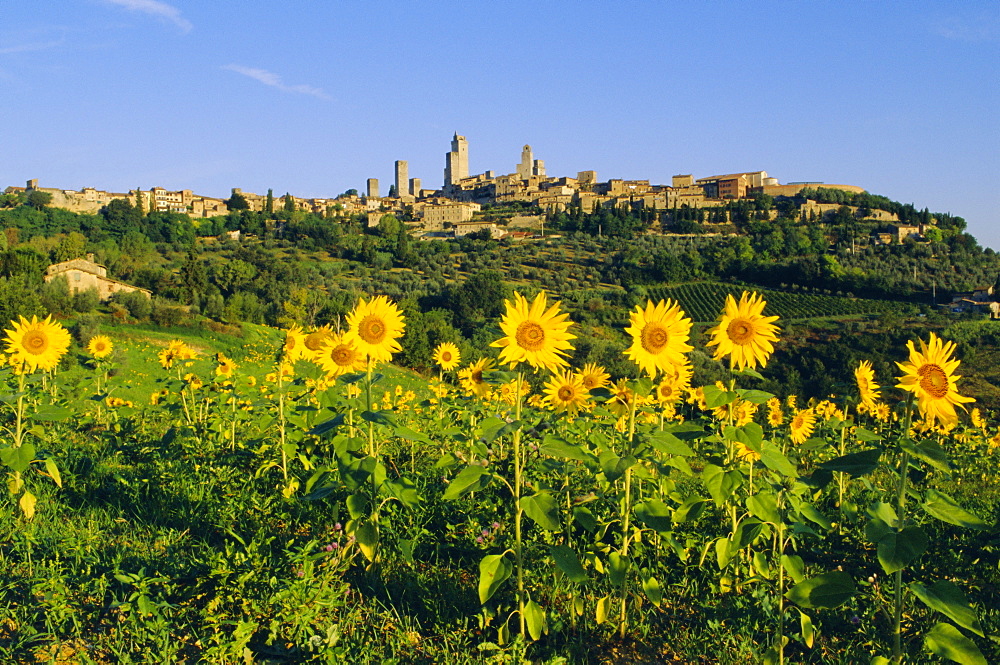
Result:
pixel 402 178
pixel 525 168
pixel 373 188
pixel 456 162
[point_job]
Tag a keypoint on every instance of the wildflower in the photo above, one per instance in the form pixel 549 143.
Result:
pixel 375 328
pixel 226 367
pixel 447 356
pixel 36 344
pixel 743 333
pixel 868 390
pixel 593 376
pixel 100 346
pixel 660 335
pixel 930 375
pixel 565 392
pixel 471 378
pixel 338 355
pixel 802 426
pixel 534 334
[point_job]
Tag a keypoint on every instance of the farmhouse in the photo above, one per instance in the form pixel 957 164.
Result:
pixel 83 274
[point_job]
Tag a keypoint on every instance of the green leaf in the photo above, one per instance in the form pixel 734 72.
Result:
pixel 855 464
pixel 690 509
pixel 27 504
pixel 614 467
pixel 367 538
pixel 897 550
pixel 543 509
pixel 764 506
pixel 52 413
pixel 774 459
pixel 534 616
pixel 809 511
pixel 668 444
pixel 794 566
pixel 469 479
pixel 948 642
pixel 379 417
pixel 358 505
pixel 720 484
pixel 929 452
pixel 408 434
pixel 948 599
pixel 618 566
pixel 686 431
pixel 555 446
pixel 716 398
pixel 493 570
pixel 651 587
pixel 943 507
pixel 655 514
pixel 863 435
pixel 603 609
pixel 18 459
pixel 404 490
pixel 328 426
pixel 806 628
pixel 747 532
pixel 567 561
pixel 53 471
pixel 826 590
pixel 754 396
pixel 585 518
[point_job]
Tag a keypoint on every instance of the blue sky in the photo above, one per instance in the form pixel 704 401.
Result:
pixel 313 98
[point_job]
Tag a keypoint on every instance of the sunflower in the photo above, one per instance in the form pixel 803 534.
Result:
pixel 660 334
pixel 193 380
pixel 930 375
pixel 995 441
pixel 100 346
pixel 676 380
pixel 375 328
pixel 294 346
pixel 882 412
pixel 744 452
pixel 534 334
pixel 565 392
pixel 314 340
pixel 802 426
pixel 621 398
pixel 176 350
pixel 976 418
pixel 668 392
pixel 593 376
pixel 868 390
pixel 775 416
pixel 338 355
pixel 226 367
pixel 36 344
pixel 471 378
pixel 743 333
pixel 447 356
pixel 511 391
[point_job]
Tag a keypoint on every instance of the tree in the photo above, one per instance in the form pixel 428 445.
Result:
pixel 38 199
pixel 392 191
pixel 139 205
pixel 289 203
pixel 237 202
pixel 269 204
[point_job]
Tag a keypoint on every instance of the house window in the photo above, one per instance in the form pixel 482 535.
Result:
pixel 76 277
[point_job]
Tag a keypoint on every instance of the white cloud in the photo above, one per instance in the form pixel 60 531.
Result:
pixel 158 9
pixel 965 30
pixel 273 80
pixel 37 46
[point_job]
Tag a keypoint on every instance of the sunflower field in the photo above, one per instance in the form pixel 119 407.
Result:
pixel 510 508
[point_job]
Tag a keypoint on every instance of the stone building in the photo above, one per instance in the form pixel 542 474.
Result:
pixel 83 274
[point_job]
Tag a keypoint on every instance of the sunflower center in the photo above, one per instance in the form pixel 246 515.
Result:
pixel 933 380
pixel 35 342
pixel 530 336
pixel 740 331
pixel 372 329
pixel 654 337
pixel 565 393
pixel 342 355
pixel 315 340
pixel 477 376
pixel 863 384
pixel 446 356
pixel 589 381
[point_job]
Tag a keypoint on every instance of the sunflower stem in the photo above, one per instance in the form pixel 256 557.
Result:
pixel 518 512
pixel 626 516
pixel 904 464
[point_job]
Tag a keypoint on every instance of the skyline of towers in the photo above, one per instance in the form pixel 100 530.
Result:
pixel 529 166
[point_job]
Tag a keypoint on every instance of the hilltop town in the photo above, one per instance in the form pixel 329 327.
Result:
pixel 463 202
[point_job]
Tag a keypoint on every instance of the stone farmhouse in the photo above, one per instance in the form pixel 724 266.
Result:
pixel 83 274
